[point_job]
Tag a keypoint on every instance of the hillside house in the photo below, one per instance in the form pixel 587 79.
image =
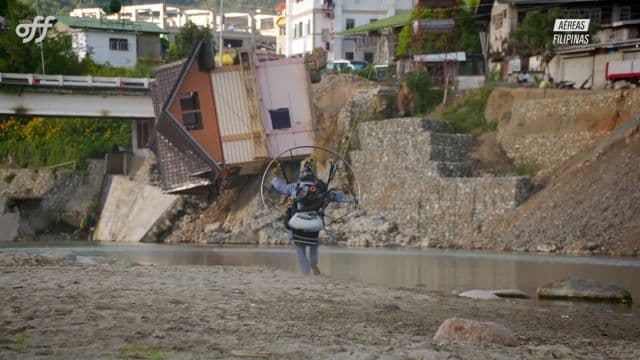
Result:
pixel 617 38
pixel 116 42
pixel 214 122
pixel 319 23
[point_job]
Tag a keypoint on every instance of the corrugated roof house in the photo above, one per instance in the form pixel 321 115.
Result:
pixel 216 122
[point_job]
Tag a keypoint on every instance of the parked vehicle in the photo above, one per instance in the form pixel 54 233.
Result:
pixel 623 70
pixel 339 65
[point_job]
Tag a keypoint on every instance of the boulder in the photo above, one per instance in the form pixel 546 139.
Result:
pixel 510 293
pixel 494 294
pixel 211 228
pixel 478 332
pixel 479 294
pixel 581 289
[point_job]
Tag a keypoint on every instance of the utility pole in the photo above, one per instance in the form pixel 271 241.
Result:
pixel 41 42
pixel 252 19
pixel 484 44
pixel 221 44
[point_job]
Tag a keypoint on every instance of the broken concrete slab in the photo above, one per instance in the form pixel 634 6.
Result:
pixel 9 224
pixel 131 210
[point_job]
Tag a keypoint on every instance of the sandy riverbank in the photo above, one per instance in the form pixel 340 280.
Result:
pixel 57 309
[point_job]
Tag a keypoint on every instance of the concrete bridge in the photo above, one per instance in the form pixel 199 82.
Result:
pixel 75 96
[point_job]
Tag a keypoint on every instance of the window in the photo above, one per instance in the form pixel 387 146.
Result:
pixel 308 30
pixel 325 35
pixel 192 120
pixel 497 20
pixel 119 44
pixel 266 24
pixel 142 133
pixel 368 57
pixel 190 106
pixel 280 118
pixel 190 101
pixel 348 55
pixel 351 23
pixel 595 14
pixel 625 13
pixel 372 20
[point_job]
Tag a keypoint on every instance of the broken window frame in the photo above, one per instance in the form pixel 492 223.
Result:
pixel 191 114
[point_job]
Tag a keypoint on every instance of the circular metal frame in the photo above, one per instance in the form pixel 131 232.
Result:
pixel 356 188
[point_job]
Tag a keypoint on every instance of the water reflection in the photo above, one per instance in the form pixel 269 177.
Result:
pixel 431 269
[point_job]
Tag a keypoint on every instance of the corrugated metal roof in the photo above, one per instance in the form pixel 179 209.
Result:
pixel 232 106
pixel 232 110
pixel 398 20
pixel 110 25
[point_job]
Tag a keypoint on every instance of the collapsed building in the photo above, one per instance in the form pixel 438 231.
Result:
pixel 213 122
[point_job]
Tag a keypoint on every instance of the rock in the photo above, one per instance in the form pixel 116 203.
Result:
pixel 494 294
pixel 621 84
pixel 630 133
pixel 272 236
pixel 211 228
pixel 583 289
pixel 547 248
pixel 219 238
pixel 375 224
pixel 544 84
pixel 464 330
pixel 479 294
pixel 510 293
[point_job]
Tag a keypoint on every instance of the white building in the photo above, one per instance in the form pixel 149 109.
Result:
pixel 315 23
pixel 166 16
pixel 173 18
pixel 117 42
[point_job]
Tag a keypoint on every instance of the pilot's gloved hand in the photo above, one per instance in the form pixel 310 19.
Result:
pixel 277 170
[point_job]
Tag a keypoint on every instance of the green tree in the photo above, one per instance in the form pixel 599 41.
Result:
pixel 16 56
pixel 465 37
pixel 185 39
pixel 534 35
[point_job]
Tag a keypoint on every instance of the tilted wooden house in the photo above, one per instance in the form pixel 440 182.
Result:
pixel 213 122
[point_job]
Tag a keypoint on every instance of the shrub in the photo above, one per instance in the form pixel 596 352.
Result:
pixel 9 178
pixel 43 142
pixel 427 97
pixel 467 115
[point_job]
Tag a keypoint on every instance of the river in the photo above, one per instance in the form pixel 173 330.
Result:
pixel 438 270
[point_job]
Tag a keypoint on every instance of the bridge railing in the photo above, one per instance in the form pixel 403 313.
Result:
pixel 75 81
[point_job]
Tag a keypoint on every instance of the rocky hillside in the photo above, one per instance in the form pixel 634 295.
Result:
pixel 589 204
pixel 422 190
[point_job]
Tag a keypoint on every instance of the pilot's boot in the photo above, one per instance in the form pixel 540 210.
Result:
pixel 316 269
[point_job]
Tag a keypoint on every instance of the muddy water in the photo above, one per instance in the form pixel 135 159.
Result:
pixel 431 269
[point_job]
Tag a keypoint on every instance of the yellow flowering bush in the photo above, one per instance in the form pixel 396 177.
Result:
pixel 47 141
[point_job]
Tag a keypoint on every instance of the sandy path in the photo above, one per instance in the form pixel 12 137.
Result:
pixel 117 311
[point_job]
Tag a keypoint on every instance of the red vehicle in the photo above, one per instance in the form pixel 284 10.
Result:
pixel 623 70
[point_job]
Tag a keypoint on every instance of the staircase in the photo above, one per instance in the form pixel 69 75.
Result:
pixel 413 170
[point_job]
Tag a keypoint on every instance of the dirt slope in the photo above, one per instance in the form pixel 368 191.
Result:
pixel 590 204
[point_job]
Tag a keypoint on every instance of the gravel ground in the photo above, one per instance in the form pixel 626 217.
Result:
pixel 55 308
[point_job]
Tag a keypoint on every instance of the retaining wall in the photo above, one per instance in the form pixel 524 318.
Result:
pixel 412 170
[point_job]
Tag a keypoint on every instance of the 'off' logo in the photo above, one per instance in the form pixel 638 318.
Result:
pixel 27 30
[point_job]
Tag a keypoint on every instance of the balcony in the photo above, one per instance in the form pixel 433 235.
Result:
pixel 327 8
